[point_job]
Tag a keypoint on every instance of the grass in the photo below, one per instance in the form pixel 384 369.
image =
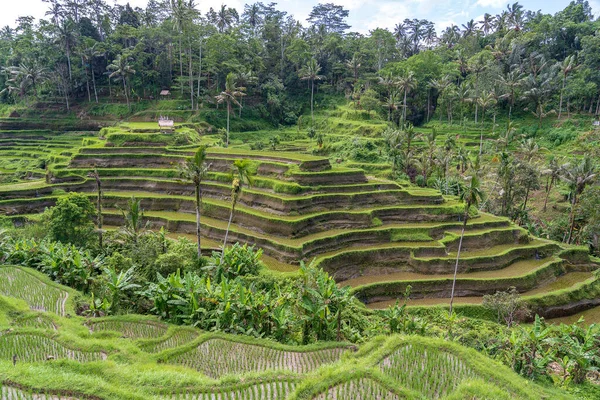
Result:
pixel 211 357
pixel 39 294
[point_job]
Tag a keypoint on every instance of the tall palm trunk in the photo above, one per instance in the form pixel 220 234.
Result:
pixel 198 202
pixel 404 109
pixel 312 95
pixel 481 132
pixel 94 83
pixel 125 89
pixel 227 230
pixel 572 216
pixel 562 90
pixel 548 188
pixel 87 80
pixel 228 111
pixel 191 77
pixel 462 235
pixel 199 75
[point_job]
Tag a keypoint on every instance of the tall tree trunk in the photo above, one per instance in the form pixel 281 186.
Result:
pixel 462 235
pixel 228 111
pixel 191 77
pixel 481 133
pixel 227 230
pixel 198 202
pixel 404 109
pixel 312 94
pixel 180 63
pixel 126 94
pixel 87 80
pixel 572 217
pixel 562 90
pixel 549 187
pixel 199 75
pixel 94 83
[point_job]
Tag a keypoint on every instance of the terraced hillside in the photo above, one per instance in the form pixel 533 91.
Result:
pixel 373 234
pixel 135 357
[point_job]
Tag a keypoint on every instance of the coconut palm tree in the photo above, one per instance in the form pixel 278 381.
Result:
pixel 568 65
pixel 406 83
pixel 486 100
pixel 120 71
pixel 487 23
pixel 440 85
pixel 310 72
pixel 28 73
pixel 242 174
pixel 471 196
pixel 552 173
pixel 195 169
pixel 228 96
pixel 511 82
pixel 391 103
pixel 133 217
pixel 577 175
pixel 89 53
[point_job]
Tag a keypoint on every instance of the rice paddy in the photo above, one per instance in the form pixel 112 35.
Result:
pixel 432 372
pixel 28 347
pixel 213 358
pixel 40 296
pixel 276 390
pixel 358 389
pixel 130 329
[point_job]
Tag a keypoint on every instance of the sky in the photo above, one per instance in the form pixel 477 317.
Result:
pixel 365 15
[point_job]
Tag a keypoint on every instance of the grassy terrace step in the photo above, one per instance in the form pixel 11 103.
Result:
pixel 274 390
pixel 292 250
pixel 37 347
pixel 525 276
pixel 568 286
pixel 130 329
pixel 213 357
pixel 383 259
pixel 358 389
pixel 304 161
pixel 281 225
pixel 38 292
pixel 256 198
pixel 220 164
pixel 433 373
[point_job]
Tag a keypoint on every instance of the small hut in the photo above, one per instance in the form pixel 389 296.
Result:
pixel 165 124
pixel 165 94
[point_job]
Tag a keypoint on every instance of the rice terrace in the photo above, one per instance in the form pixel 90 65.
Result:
pixel 299 201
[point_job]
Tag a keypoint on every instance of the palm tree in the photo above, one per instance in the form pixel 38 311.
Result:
pixel 89 53
pixel 228 96
pixel 470 28
pixel 511 82
pixel 242 173
pixel 354 65
pixel 471 196
pixel 121 70
pixel 552 172
pixel 568 65
pixel 94 174
pixel 440 85
pixel 133 217
pixel 391 103
pixel 310 72
pixel 477 67
pixel 28 72
pixel 577 176
pixel 195 169
pixel 486 100
pixel 487 23
pixel 407 83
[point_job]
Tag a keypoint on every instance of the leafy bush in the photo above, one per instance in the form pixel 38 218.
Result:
pixel 236 261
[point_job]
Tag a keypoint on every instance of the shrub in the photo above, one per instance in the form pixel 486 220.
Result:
pixel 236 261
pixel 70 220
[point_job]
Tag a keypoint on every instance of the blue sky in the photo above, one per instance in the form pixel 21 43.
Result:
pixel 364 14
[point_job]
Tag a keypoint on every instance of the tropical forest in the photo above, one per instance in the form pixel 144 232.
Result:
pixel 199 201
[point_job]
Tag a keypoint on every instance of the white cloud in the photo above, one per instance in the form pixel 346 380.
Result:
pixel 491 3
